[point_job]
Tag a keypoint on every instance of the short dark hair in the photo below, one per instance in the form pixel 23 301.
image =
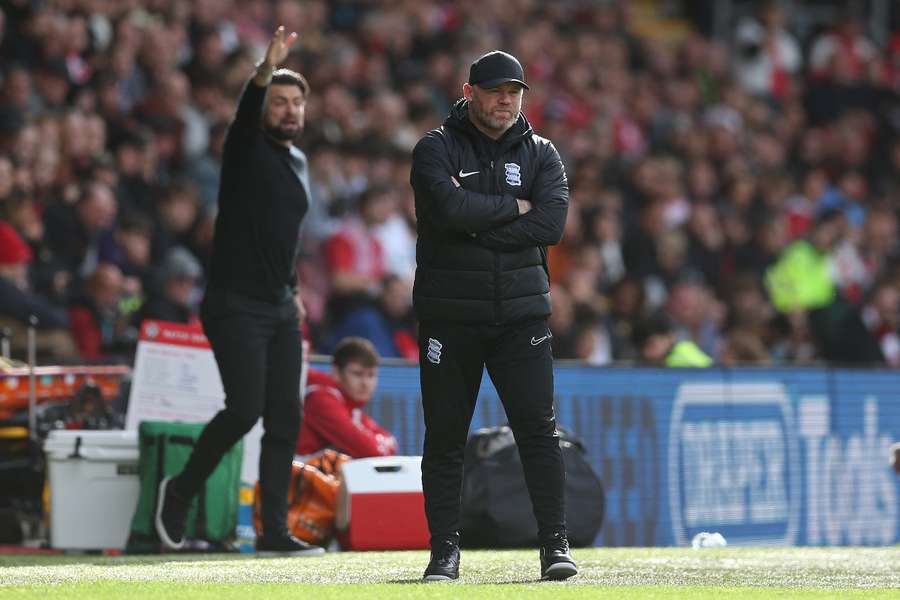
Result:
pixel 288 77
pixel 374 192
pixel 180 187
pixel 355 350
pixel 136 223
pixel 647 327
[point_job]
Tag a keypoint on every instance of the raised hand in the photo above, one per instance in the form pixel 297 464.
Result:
pixel 278 48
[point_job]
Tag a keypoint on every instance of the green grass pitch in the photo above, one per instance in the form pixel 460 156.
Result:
pixel 670 573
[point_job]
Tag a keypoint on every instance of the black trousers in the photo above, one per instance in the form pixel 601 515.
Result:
pixel 519 361
pixel 258 350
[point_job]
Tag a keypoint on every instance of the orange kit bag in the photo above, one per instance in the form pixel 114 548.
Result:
pixel 312 497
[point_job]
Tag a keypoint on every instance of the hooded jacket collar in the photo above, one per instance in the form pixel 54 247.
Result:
pixel 458 119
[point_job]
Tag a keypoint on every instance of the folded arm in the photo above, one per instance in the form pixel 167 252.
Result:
pixel 543 225
pixel 443 203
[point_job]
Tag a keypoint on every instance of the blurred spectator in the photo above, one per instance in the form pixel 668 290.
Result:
pixel 52 83
pixel 133 150
pixel 128 247
pixel 688 157
pixel 95 319
pixel 670 265
pixel 869 336
pixel 355 257
pixel 802 279
pixel 766 54
pixel 706 242
pixel 562 322
pixel 397 235
pixel 658 346
pixel 74 232
pixel 741 348
pixel 179 215
pixel 844 42
pixel 18 304
pixel 562 257
pixel 175 297
pixel 605 230
pixel 751 312
pixel 204 170
pixel 626 310
pixel 389 324
pixel 591 343
pixel 694 314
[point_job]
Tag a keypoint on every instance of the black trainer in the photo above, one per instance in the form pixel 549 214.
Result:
pixel 444 563
pixel 171 515
pixel 556 562
pixel 285 545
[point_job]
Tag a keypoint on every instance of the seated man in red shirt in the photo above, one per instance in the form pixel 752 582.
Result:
pixel 332 405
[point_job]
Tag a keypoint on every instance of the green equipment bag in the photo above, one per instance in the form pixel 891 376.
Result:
pixel 164 450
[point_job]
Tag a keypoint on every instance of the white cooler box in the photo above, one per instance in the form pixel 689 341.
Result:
pixel 94 487
pixel 380 504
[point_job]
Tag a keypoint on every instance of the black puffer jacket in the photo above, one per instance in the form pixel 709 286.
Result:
pixel 478 261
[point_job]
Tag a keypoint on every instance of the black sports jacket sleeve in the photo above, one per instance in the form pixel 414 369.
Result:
pixel 544 224
pixel 446 206
pixel 248 114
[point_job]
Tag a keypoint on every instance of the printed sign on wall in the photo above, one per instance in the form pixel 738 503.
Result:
pixel 765 457
pixel 176 378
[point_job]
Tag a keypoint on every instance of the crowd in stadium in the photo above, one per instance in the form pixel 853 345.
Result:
pixel 741 193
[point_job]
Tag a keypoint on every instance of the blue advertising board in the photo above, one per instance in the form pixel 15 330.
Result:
pixel 765 457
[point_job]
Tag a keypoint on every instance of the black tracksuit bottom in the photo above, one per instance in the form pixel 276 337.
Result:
pixel 519 361
pixel 257 348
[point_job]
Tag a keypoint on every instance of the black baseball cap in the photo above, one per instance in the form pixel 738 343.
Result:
pixel 496 68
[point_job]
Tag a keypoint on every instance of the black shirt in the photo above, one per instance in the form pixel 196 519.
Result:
pixel 263 196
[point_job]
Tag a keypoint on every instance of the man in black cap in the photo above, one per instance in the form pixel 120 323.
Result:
pixel 491 195
pixel 251 311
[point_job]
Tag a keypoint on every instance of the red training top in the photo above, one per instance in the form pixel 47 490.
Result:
pixel 332 420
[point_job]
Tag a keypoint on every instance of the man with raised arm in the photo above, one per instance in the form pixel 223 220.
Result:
pixel 251 311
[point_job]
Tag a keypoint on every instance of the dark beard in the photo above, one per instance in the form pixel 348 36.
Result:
pixel 282 135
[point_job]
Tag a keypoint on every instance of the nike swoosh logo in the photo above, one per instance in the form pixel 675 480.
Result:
pixel 461 174
pixel 536 341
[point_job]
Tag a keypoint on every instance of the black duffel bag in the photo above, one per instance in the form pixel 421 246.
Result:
pixel 496 508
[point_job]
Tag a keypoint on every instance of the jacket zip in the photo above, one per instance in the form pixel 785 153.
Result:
pixel 495 189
